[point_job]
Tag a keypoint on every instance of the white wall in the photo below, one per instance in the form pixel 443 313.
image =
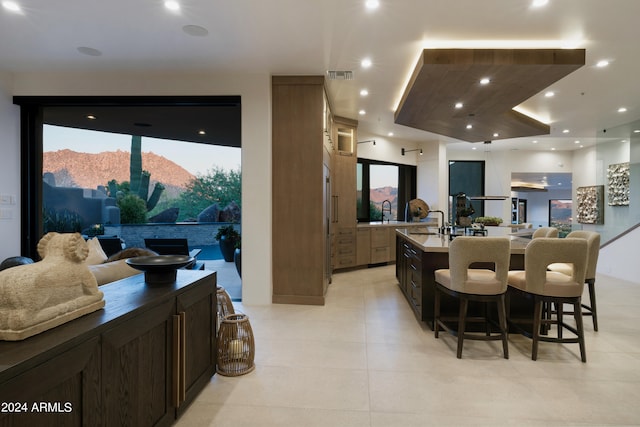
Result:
pixel 620 259
pixel 255 91
pixel 10 167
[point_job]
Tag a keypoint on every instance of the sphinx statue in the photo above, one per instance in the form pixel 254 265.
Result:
pixel 40 296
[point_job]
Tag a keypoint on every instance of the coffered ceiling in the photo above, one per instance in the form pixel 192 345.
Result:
pixel 312 37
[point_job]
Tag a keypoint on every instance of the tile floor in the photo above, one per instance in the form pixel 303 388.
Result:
pixel 364 360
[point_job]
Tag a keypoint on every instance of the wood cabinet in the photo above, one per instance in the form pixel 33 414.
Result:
pixel 409 274
pixel 299 223
pixel 343 192
pixel 363 246
pixel 140 361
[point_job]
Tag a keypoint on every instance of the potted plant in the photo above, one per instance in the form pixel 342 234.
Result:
pixel 488 220
pixel 228 237
pixel 237 258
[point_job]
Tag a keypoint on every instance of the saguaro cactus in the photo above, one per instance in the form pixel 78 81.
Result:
pixel 139 179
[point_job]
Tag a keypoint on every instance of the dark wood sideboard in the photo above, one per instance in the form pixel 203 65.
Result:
pixel 139 361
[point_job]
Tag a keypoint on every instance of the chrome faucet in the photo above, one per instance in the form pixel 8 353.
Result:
pixel 383 210
pixel 442 227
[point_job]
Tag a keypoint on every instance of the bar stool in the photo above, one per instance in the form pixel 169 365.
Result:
pixel 474 284
pixel 545 232
pixel 593 250
pixel 550 287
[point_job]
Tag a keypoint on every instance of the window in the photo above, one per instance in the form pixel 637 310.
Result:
pixel 178 113
pixel 560 215
pixel 467 176
pixel 378 182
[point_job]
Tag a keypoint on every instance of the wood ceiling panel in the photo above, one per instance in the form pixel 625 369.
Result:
pixel 444 77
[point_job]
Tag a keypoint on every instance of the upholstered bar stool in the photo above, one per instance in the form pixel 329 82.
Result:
pixel 593 250
pixel 550 287
pixel 545 232
pixel 474 284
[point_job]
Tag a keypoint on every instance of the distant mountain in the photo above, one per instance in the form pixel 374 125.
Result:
pixel 86 170
pixel 378 195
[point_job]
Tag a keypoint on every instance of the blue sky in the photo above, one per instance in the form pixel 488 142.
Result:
pixel 196 158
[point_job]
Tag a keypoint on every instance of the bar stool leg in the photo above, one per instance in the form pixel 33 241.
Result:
pixel 592 301
pixel 535 333
pixel 577 314
pixel 502 318
pixel 464 303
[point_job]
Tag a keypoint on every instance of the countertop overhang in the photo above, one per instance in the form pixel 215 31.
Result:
pixel 430 240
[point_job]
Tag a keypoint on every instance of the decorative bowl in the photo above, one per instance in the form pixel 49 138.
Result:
pixel 160 268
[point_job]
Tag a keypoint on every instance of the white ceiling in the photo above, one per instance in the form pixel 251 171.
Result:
pixel 311 37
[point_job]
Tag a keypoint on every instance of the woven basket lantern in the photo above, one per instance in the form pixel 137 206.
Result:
pixel 236 347
pixel 225 306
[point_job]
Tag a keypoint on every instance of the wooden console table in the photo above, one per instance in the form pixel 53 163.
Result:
pixel 421 252
pixel 139 361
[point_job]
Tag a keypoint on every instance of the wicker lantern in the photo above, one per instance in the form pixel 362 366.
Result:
pixel 236 347
pixel 225 306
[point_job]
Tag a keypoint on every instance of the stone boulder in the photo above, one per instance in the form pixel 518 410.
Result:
pixel 166 216
pixel 210 214
pixel 231 213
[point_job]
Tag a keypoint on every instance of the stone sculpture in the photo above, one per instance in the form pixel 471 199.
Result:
pixel 40 296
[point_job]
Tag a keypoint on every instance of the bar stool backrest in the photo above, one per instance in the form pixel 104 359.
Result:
pixel 466 250
pixel 543 251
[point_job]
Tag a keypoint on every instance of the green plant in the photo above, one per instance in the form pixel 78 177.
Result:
pixel 488 220
pixel 133 210
pixel 61 221
pixel 138 179
pixel 228 232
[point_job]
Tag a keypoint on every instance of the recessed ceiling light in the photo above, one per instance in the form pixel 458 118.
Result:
pixel 576 142
pixel 636 131
pixel 12 6
pixel 372 4
pixel 549 94
pixel 485 81
pixel 602 63
pixel 366 63
pixel 364 92
pixel 474 148
pixel 390 134
pixel 172 5
pixel 535 141
pixel 622 110
pixel 553 149
pixel 469 126
pixel 565 131
pixel 362 112
pixel 459 105
pixel 202 132
pixel 89 51
pixel 539 3
pixel 195 30
pixel 91 117
pixel 496 134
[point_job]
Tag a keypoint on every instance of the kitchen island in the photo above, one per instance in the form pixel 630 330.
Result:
pixel 421 251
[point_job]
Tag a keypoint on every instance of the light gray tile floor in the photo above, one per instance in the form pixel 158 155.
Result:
pixel 364 360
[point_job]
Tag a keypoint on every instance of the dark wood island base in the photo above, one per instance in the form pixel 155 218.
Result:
pixel 420 254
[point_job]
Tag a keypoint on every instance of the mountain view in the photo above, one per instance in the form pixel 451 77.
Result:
pixel 379 195
pixel 87 170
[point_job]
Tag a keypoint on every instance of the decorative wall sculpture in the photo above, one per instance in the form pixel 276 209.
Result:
pixel 618 179
pixel 591 204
